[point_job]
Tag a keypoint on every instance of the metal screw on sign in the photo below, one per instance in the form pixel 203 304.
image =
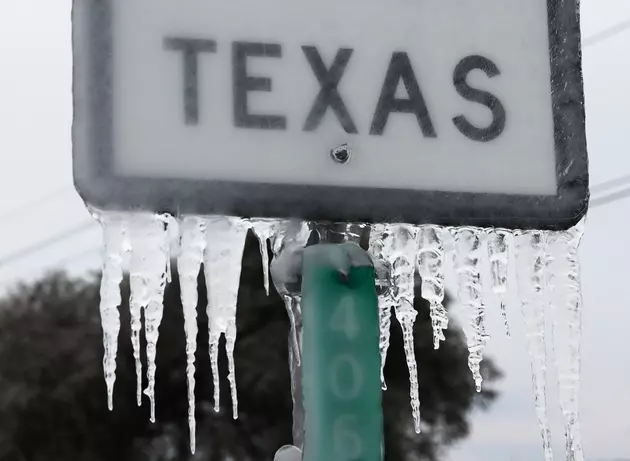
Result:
pixel 341 154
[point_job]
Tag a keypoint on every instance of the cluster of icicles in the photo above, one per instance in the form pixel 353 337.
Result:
pixel 547 270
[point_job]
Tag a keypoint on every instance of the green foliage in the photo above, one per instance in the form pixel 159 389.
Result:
pixel 53 400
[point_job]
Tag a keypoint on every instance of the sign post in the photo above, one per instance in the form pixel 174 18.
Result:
pixel 341 361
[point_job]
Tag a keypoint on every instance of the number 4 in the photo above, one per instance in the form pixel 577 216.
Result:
pixel 344 318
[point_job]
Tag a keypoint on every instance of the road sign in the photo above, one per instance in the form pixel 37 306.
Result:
pixel 451 112
pixel 341 361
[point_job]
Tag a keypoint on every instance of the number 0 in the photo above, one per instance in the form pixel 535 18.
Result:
pixel 345 390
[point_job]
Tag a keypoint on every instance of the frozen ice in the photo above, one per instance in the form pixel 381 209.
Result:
pixel 138 299
pixel 431 270
pixel 148 242
pixel 155 257
pixel 288 242
pixel 114 246
pixel 547 270
pixel 264 229
pixel 498 241
pixel 531 265
pixel 467 265
pixel 404 251
pixel 394 249
pixel 193 245
pixel 148 239
pixel 222 263
pixel 566 314
pixel 339 232
pixel 380 243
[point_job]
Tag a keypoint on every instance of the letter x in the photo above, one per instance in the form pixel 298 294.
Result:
pixel 328 95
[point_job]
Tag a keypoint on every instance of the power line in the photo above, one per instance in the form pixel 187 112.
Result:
pixel 616 183
pixel 611 198
pixel 607 33
pixel 29 207
pixel 78 256
pixel 39 246
pixel 611 184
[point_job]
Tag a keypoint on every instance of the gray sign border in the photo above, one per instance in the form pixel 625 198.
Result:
pixel 92 135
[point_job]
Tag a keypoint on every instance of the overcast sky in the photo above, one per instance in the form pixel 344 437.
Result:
pixel 38 202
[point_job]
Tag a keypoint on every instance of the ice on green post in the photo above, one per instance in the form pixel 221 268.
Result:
pixel 341 360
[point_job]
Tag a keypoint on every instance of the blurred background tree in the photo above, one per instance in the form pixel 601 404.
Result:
pixel 53 399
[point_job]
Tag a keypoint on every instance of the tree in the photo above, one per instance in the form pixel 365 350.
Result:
pixel 53 400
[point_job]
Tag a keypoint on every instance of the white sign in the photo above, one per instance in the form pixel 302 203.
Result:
pixel 453 97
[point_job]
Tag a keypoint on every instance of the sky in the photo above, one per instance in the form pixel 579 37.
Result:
pixel 38 203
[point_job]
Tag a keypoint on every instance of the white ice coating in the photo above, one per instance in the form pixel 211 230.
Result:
pixel 150 253
pixel 467 266
pixel 192 247
pixel 138 299
pixel 114 246
pixel 380 249
pixel 531 265
pixel 431 270
pixel 291 236
pixel 498 241
pixel 547 270
pixel 404 251
pixel 566 301
pixel 265 229
pixel 222 264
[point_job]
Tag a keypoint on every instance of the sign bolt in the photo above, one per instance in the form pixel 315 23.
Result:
pixel 341 154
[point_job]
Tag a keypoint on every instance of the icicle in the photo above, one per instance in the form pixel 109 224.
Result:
pixel 498 256
pixel 114 239
pixel 173 237
pixel 531 265
pixel 193 244
pixel 149 259
pixel 293 306
pixel 222 262
pixel 213 350
pixel 351 233
pixel 564 277
pixel 467 255
pixel 138 301
pixel 156 252
pixel 264 230
pixel 403 262
pixel 431 270
pixel 287 243
pixel 291 236
pixel 339 232
pixel 380 249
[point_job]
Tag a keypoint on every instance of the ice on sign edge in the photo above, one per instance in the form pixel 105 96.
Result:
pixel 547 268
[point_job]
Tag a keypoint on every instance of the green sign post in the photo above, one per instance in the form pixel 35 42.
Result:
pixel 341 361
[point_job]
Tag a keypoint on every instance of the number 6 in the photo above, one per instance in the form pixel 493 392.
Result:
pixel 346 442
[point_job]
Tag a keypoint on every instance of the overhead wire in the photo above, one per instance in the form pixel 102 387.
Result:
pixel 610 184
pixel 611 198
pixel 33 205
pixel 596 202
pixel 607 33
pixel 42 245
